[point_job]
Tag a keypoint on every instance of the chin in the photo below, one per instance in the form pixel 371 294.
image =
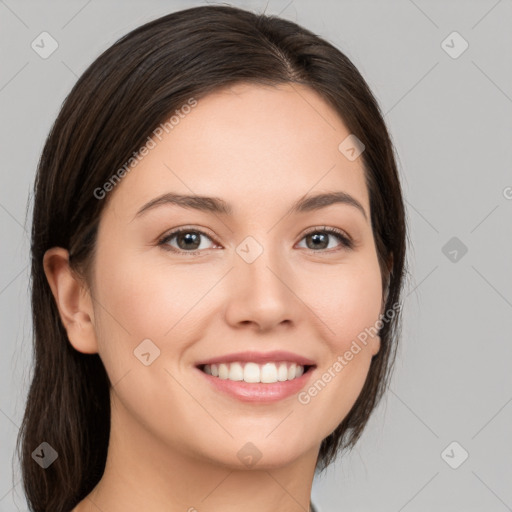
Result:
pixel 258 454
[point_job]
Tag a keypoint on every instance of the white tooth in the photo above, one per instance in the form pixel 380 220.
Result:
pixel 251 372
pixel 223 371
pixel 282 372
pixel 236 372
pixel 268 373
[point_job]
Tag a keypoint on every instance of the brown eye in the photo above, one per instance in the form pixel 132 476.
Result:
pixel 187 240
pixel 319 239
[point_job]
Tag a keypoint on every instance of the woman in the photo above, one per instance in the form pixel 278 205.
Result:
pixel 218 251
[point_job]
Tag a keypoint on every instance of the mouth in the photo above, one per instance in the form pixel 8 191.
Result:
pixel 254 376
pixel 256 373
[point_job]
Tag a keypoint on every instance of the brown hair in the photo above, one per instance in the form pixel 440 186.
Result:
pixel 125 93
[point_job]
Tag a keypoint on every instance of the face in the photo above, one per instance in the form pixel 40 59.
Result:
pixel 261 277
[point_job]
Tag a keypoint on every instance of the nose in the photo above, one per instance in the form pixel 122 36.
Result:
pixel 261 294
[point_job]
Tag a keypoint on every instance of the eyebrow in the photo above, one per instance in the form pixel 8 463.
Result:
pixel 218 205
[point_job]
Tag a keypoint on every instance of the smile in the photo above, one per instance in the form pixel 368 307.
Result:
pixel 250 372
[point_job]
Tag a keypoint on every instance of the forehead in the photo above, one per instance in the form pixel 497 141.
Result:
pixel 250 144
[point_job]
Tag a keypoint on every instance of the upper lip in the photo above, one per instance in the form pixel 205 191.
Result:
pixel 259 357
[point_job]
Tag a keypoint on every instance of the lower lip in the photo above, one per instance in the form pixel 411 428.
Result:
pixel 258 392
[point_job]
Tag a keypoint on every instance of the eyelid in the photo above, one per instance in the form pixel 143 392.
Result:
pixel 347 242
pixel 329 229
pixel 162 240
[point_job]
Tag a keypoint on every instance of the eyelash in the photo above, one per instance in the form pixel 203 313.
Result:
pixel 345 240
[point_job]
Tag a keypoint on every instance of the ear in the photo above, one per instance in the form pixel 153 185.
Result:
pixel 385 292
pixel 375 345
pixel 73 300
pixel 376 341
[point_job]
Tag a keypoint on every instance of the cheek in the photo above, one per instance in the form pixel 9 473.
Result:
pixel 349 305
pixel 148 299
pixel 348 299
pixel 137 302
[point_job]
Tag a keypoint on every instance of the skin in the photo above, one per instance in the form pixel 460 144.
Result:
pixel 174 438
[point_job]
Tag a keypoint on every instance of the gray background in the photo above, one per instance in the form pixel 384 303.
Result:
pixel 450 119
